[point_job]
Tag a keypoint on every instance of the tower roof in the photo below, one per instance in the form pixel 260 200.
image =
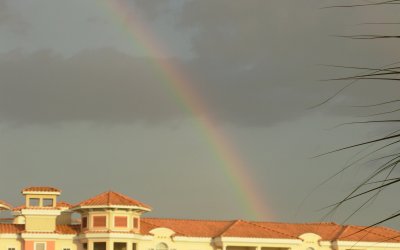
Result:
pixel 40 189
pixel 5 206
pixel 112 199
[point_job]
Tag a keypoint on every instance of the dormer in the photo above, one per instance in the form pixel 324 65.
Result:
pixel 111 211
pixel 40 210
pixel 40 197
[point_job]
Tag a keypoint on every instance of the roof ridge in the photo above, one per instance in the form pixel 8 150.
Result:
pixel 129 198
pixel 341 231
pixel 295 223
pixel 108 197
pixel 155 218
pixel 365 228
pixel 267 228
pixel 228 227
pixel 90 199
pixel 388 229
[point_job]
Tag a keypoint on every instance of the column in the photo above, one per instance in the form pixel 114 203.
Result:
pixel 109 245
pixel 89 245
pixel 129 244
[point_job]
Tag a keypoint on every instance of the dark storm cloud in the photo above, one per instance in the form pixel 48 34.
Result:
pixel 106 86
pixel 98 85
pixel 255 63
pixel 270 52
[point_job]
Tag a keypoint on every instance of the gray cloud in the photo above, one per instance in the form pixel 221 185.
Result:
pixel 11 19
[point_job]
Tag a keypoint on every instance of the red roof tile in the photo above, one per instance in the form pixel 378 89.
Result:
pixel 376 234
pixel 193 228
pixel 327 231
pixel 41 189
pixel 251 229
pixel 112 198
pixel 247 229
pixel 63 204
pixel 68 229
pixel 11 228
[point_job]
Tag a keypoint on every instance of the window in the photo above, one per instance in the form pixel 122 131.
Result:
pixel 34 202
pixel 47 202
pixel 40 246
pixel 67 248
pixel 135 222
pixel 119 246
pixel 84 245
pixel 99 246
pixel 84 222
pixel 133 246
pixel 162 246
pixel 120 221
pixel 11 248
pixel 99 221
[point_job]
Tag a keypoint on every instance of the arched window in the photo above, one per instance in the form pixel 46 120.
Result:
pixel 162 246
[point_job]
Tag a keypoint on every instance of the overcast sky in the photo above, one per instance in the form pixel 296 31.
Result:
pixel 82 106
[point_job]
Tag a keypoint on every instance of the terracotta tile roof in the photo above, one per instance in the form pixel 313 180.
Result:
pixel 247 229
pixel 41 189
pixel 68 229
pixel 4 205
pixel 251 229
pixel 193 228
pixel 11 228
pixel 376 234
pixel 112 198
pixel 63 204
pixel 327 231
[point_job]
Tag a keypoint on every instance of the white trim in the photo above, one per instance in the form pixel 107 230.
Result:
pixel 39 192
pixel 112 206
pixel 54 212
pixel 367 244
pixel 192 239
pixel 4 207
pixel 116 235
pixel 9 236
pixel 325 243
pixel 48 236
pixel 257 240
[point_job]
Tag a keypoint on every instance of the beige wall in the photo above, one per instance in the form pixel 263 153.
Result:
pixel 40 223
pixel 71 244
pixel 7 243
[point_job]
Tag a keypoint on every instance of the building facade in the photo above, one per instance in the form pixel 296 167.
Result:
pixel 113 221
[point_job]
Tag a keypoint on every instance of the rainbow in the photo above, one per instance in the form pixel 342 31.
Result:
pixel 169 72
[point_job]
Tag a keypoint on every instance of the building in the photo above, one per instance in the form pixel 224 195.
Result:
pixel 113 221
